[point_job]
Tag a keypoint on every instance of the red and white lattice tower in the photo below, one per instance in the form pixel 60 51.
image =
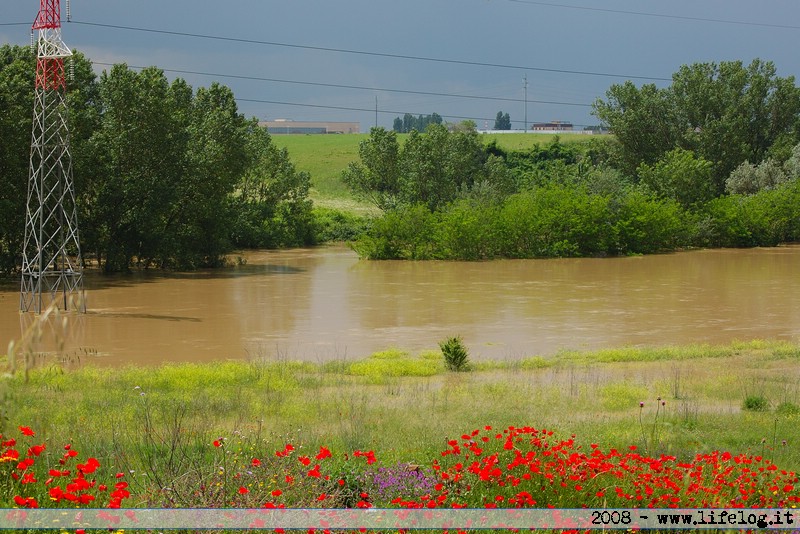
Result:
pixel 52 270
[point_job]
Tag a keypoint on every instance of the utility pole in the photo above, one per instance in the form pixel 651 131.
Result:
pixel 525 87
pixel 52 270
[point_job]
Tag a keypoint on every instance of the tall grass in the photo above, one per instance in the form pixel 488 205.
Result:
pixel 404 404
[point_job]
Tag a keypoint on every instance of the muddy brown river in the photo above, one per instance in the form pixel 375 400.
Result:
pixel 324 303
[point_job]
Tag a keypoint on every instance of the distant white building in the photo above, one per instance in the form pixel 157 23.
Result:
pixel 552 126
pixel 286 126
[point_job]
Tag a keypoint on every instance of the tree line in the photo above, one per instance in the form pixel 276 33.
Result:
pixel 166 175
pixel 711 160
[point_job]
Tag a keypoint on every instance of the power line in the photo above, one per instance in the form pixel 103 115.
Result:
pixel 658 15
pixel 371 110
pixel 366 53
pixel 359 87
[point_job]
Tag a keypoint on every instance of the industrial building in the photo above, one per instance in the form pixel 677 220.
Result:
pixel 286 126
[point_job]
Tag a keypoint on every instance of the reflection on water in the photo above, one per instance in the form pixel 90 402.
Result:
pixel 320 304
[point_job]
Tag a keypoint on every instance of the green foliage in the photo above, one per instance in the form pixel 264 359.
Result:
pixel 644 120
pixel 755 403
pixel 17 67
pixel 376 177
pixel 394 363
pixel 272 205
pixel 433 168
pixel 555 222
pixel 552 221
pixel 164 176
pixel 337 225
pixel 456 356
pixel 748 179
pixel 679 175
pixel 420 123
pixel 466 230
pixel 403 233
pixel 726 113
pixel 502 121
pixel 646 225
pixel 766 218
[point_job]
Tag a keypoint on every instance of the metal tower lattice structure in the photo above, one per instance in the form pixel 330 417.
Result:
pixel 52 270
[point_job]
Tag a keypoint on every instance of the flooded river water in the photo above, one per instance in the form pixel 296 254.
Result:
pixel 325 303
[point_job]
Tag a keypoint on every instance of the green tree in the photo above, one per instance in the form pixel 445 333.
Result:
pixel 431 168
pixel 502 121
pixel 139 152
pixel 272 204
pixel 681 176
pixel 409 122
pixel 644 120
pixel 16 109
pixel 733 113
pixel 726 113
pixel 376 176
pixel 217 159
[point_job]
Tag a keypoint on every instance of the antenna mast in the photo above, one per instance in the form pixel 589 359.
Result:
pixel 52 269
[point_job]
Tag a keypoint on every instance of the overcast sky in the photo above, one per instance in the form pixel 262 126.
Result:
pixel 571 51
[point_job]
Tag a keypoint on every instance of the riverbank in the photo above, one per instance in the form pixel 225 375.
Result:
pixel 398 429
pixel 742 396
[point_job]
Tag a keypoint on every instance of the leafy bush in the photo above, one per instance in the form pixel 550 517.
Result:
pixel 336 225
pixel 456 356
pixel 755 403
pixel 748 179
pixel 681 176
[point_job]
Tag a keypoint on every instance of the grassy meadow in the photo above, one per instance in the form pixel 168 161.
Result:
pixel 407 405
pixel 324 157
pixel 691 427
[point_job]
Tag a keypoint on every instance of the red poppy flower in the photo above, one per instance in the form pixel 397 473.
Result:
pixel 243 490
pixel 276 493
pixel 36 450
pixel 217 443
pixel 315 472
pixel 26 431
pixel 323 453
pixel 256 462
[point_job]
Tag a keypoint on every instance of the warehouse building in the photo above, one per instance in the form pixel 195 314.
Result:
pixel 286 126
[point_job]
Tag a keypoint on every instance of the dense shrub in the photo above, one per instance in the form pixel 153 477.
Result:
pixel 336 225
pixel 555 222
pixel 402 233
pixel 645 225
pixel 748 179
pixel 467 230
pixel 552 221
pixel 766 218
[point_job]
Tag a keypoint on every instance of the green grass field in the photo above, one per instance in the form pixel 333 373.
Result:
pixel 324 157
pixel 405 405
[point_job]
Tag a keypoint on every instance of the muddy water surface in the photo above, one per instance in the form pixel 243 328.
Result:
pixel 321 304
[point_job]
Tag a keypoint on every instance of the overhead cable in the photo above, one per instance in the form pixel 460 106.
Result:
pixel 342 86
pixel 368 53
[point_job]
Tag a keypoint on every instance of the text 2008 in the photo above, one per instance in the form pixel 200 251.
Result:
pixel 614 517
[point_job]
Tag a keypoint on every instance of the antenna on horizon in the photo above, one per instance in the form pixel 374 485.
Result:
pixel 69 13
